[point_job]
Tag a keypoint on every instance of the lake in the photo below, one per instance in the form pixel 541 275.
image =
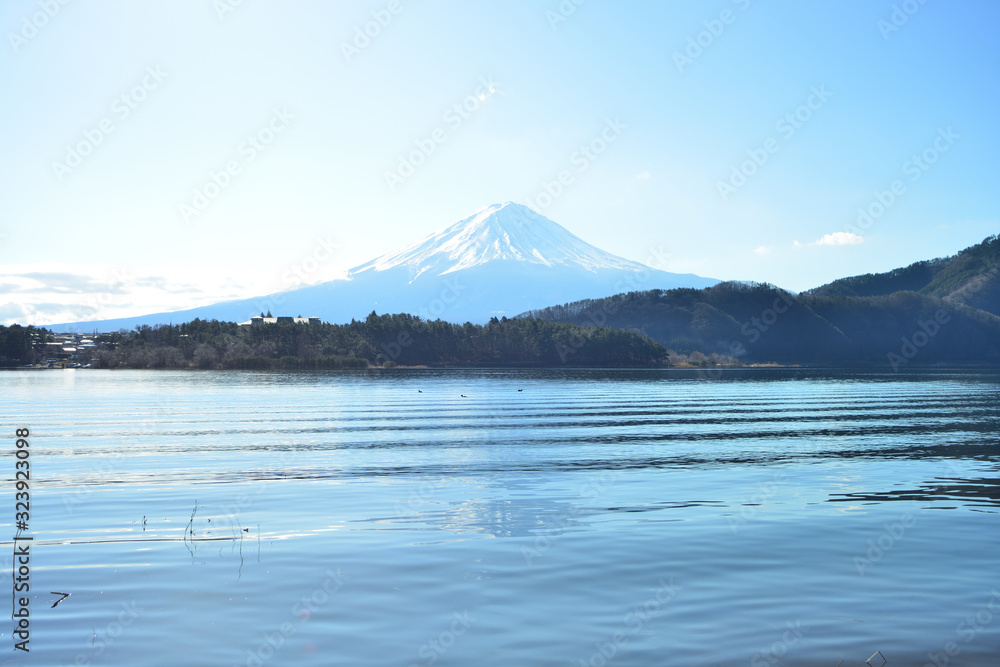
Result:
pixel 547 517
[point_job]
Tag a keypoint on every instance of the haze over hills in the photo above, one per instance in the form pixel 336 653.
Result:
pixel 500 261
pixel 939 311
pixel 967 277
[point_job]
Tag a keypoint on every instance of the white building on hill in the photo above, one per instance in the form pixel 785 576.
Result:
pixel 260 319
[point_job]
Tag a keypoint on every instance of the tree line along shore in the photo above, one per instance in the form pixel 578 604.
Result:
pixel 376 341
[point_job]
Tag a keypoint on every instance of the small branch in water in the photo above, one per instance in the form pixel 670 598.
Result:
pixel 242 530
pixel 189 529
pixel 191 522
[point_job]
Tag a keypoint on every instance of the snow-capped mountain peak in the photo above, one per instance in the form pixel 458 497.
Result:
pixel 507 231
pixel 502 260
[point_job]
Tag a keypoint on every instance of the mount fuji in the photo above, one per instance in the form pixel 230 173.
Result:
pixel 502 260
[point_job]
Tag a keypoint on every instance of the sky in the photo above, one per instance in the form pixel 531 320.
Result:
pixel 159 155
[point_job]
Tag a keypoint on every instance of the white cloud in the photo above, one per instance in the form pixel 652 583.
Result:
pixel 840 238
pixel 45 293
pixel 764 249
pixel 643 176
pixel 837 238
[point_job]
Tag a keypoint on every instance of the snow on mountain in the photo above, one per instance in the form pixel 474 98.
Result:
pixel 504 259
pixel 505 231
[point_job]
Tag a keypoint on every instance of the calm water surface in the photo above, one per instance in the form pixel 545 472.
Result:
pixel 752 517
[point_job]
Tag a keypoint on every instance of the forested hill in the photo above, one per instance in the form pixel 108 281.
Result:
pixel 971 277
pixel 752 322
pixel 378 340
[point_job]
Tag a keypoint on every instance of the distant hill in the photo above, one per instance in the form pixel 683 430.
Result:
pixel 971 277
pixel 942 311
pixel 499 261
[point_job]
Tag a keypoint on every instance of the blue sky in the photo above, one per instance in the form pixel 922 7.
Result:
pixel 229 142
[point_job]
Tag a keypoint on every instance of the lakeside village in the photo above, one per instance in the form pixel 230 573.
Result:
pixel 76 350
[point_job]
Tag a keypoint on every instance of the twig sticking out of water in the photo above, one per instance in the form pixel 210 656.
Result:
pixel 189 530
pixel 191 522
pixel 242 530
pixel 879 654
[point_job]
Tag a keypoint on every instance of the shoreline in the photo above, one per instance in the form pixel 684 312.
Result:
pixel 678 367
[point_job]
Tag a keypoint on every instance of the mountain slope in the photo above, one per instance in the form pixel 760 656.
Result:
pixel 753 322
pixel 941 311
pixel 971 277
pixel 501 260
pixel 760 323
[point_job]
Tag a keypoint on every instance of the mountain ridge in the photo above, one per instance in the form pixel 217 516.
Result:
pixel 499 261
pixel 971 276
pixel 757 323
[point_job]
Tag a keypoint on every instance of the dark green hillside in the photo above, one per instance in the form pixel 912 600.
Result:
pixel 936 312
pixel 912 278
pixel 882 325
pixel 971 277
pixel 751 321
